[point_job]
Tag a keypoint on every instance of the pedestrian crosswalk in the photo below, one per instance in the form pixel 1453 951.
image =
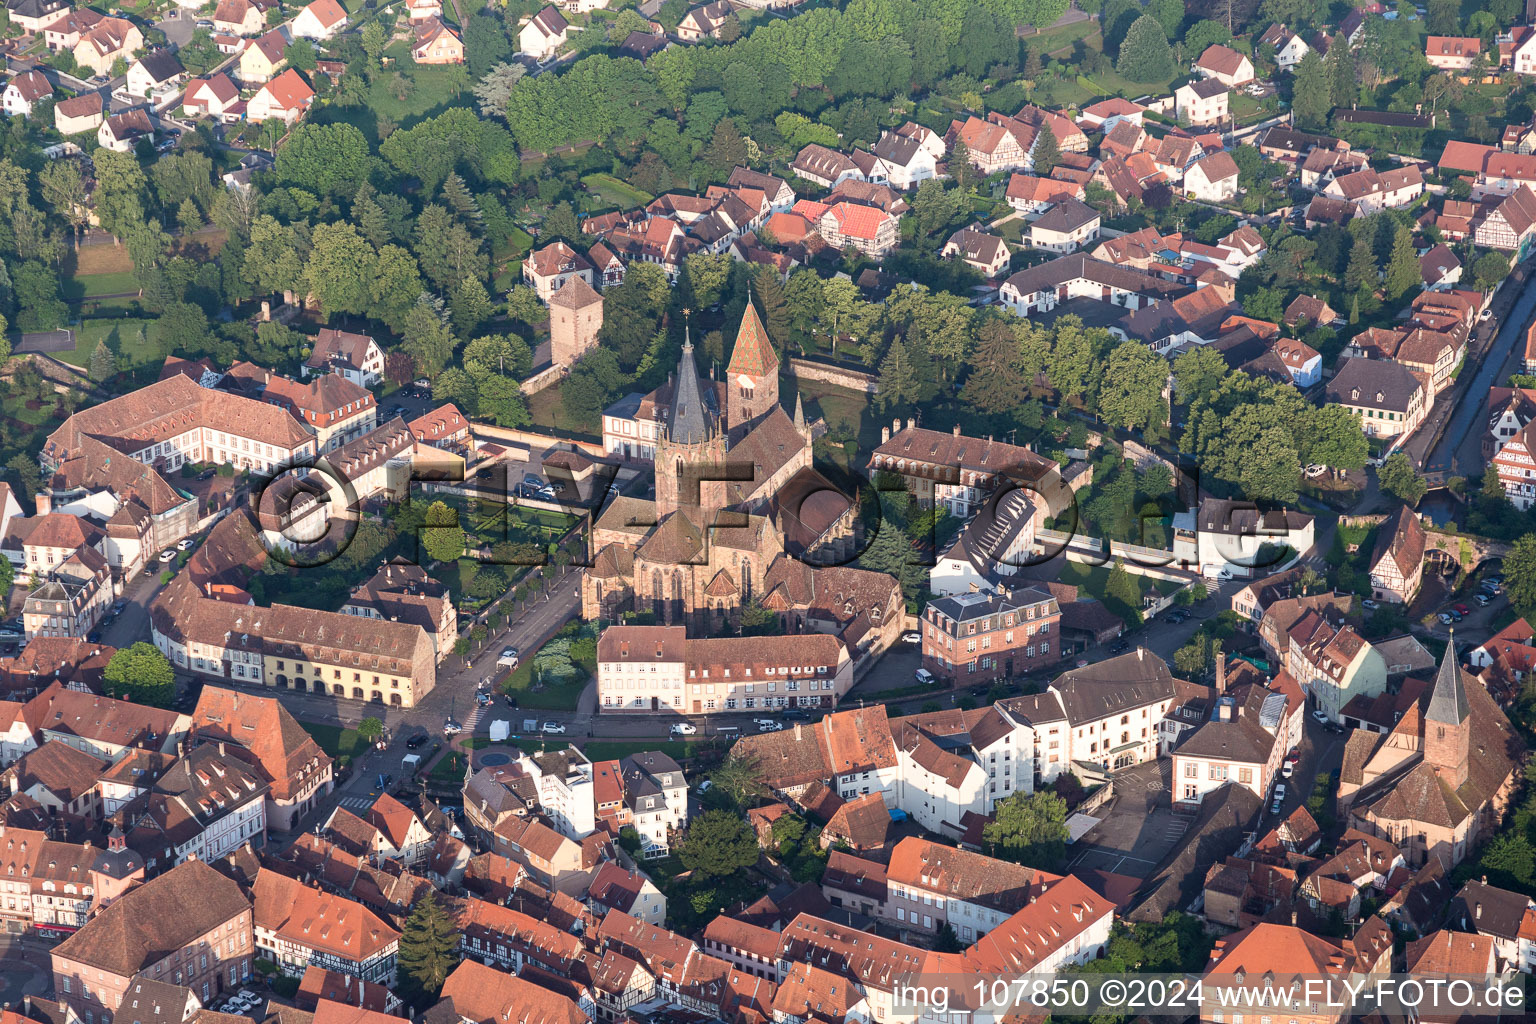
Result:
pixel 1176 829
pixel 355 803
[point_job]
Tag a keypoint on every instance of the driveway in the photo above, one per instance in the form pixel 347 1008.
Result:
pixel 178 25
pixel 1322 750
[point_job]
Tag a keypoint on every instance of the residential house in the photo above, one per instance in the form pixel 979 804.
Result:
pixel 34 15
pixel 436 43
pixel 1500 918
pixel 1389 400
pixel 542 36
pixel 1212 179
pixel 1042 287
pixel 1031 195
pixel 705 21
pixel 78 114
pixel 263 58
pixel 321 19
pixel 420 10
pixel 122 132
pixel 828 167
pixel 214 96
pixel 985 636
pixel 106 42
pixel 1372 191
pixel 444 428
pixel 1307 311
pixel 994 146
pixel 1225 65
pixel 868 229
pixel 154 75
pixel 23 92
pixel 240 18
pixel 615 888
pixel 1256 960
pixel 300 771
pixel 1452 53
pixel 1508 223
pixel 904 160
pixel 1397 561
pixel 1200 103
pixel 297 926
pixel 985 253
pixel 1289 47
pixel 548 268
pixel 1333 663
pixel 357 357
pixel 1104 115
pixel 777 191
pixel 1440 269
pixel 286 97
pixel 1066 227
pixel 1222 537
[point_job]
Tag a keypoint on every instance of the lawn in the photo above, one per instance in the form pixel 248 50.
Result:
pixel 425 92
pixel 339 741
pixel 1092 579
pixel 88 286
pixel 520 683
pixel 124 336
pixel 613 750
pixel 548 411
pixel 610 191
pixel 1057 42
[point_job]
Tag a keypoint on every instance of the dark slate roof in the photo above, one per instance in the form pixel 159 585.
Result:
pixel 688 423
pixel 1487 910
pixel 1374 383
pixel 1130 681
pixel 1225 818
pixel 1448 700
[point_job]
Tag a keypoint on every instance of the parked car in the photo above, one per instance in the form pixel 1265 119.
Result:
pixel 483 699
pixel 508 658
pixel 768 724
pixel 385 779
pixel 509 700
pixel 186 544
pixel 1445 617
pixel 705 787
pixel 553 728
pixel 1293 757
pixel 1370 605
pixel 1484 599
pixel 1463 609
pixel 925 677
pixel 452 728
pixel 533 481
pixel 1287 770
pixel 417 741
pixel 168 554
pixel 794 713
pixel 678 729
pixel 1320 716
pixel 547 492
pixel 911 636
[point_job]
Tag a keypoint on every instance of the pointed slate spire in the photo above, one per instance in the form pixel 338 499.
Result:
pixel 688 424
pixel 1448 700
pixel 799 414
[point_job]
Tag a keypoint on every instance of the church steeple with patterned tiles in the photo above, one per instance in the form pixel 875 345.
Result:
pixel 752 377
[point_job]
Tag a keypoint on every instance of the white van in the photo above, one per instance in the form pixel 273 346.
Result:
pixel 925 677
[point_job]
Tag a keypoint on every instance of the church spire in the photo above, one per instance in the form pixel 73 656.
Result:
pixel 688 423
pixel 1448 700
pixel 800 427
pixel 753 353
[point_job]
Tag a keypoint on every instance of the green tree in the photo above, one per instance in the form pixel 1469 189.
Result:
pixel 103 363
pixel 1403 272
pixel 1029 828
pixel 1197 372
pixel 442 538
pixel 326 159
pixel 1520 573
pixel 1444 17
pixel 1132 394
pixel 429 943
pixel 1343 81
pixel 141 674
pixel 342 269
pixel 1398 477
pixel 374 39
pixel 718 844
pixel 1047 152
pixel 1363 273
pixel 370 729
pixel 1145 55
pixel 427 337
pixel 470 305
pixel 997 382
pixel 1312 98
pixel 1490 270
pixel 739 778
pixel 1122 589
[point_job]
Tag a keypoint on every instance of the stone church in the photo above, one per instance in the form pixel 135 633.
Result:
pixel 714 537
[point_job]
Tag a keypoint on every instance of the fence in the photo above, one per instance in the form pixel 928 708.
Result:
pixel 832 373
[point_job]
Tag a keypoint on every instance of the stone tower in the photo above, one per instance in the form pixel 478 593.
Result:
pixel 690 440
pixel 751 378
pixel 1447 722
pixel 575 316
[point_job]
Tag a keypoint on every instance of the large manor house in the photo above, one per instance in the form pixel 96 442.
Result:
pixel 738 516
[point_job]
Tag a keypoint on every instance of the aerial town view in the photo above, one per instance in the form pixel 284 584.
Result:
pixel 767 511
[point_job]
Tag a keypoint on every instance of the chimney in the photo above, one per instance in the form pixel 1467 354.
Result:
pixel 1477 911
pixel 1293 919
pixel 797 732
pixel 957 430
pixel 1221 673
pixel 910 423
pixel 885 434
pixel 896 425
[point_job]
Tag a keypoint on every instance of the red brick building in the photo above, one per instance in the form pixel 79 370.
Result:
pixel 986 636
